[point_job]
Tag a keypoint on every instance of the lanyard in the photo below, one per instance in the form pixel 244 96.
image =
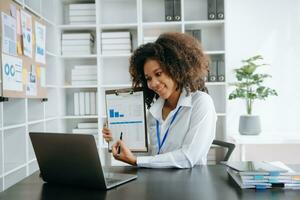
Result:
pixel 160 144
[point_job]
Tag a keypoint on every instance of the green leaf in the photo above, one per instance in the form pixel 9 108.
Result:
pixel 249 82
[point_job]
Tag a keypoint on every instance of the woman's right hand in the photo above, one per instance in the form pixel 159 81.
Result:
pixel 107 134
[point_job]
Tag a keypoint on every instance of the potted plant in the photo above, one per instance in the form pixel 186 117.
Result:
pixel 249 88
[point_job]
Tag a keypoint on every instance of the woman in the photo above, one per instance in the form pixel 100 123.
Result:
pixel 181 119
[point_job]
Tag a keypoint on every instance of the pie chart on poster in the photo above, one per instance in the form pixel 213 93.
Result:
pixel 6 69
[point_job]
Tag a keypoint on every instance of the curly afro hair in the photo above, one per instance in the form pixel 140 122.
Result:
pixel 179 55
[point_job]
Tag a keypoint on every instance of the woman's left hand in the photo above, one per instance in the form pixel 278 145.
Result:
pixel 125 154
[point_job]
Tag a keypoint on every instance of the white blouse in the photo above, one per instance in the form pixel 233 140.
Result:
pixel 190 135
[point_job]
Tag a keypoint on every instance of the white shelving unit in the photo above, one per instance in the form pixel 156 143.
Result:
pixel 20 116
pixel 143 18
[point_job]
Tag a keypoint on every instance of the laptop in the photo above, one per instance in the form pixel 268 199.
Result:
pixel 73 159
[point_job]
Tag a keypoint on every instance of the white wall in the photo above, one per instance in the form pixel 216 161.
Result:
pixel 270 28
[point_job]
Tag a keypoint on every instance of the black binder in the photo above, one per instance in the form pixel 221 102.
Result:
pixel 189 32
pixel 220 71
pixel 177 10
pixel 220 9
pixel 197 34
pixel 169 8
pixel 211 9
pixel 212 76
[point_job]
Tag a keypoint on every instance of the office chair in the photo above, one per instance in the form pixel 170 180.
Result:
pixel 229 146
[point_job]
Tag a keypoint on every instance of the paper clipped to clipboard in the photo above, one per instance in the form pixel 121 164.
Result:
pixel 126 113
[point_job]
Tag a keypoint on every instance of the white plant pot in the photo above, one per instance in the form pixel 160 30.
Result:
pixel 249 125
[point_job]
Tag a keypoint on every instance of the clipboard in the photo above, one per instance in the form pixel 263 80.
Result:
pixel 126 113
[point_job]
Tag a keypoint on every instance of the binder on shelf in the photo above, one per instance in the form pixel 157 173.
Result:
pixel 220 9
pixel 211 9
pixel 212 76
pixel 87 102
pixel 81 104
pixel 189 32
pixel 169 8
pixel 177 10
pixel 126 113
pixel 197 34
pixel 93 103
pixel 76 103
pixel 220 71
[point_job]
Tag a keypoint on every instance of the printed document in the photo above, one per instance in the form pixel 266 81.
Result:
pixel 126 113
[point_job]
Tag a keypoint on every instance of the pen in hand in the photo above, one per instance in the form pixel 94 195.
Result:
pixel 119 149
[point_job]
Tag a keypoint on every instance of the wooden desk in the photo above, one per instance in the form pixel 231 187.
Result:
pixel 203 182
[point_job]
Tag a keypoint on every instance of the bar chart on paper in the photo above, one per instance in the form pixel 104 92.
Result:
pixel 126 114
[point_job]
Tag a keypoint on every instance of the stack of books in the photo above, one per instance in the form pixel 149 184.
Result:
pixel 116 42
pixel 263 175
pixel 82 13
pixel 87 128
pixel 77 43
pixel 84 75
pixel 85 103
pixel 149 39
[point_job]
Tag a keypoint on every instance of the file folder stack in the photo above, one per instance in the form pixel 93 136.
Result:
pixel 262 175
pixel 84 75
pixel 82 13
pixel 77 43
pixel 116 42
pixel 85 103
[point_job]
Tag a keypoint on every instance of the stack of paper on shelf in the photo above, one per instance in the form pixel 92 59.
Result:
pixel 116 42
pixel 263 175
pixel 84 75
pixel 85 103
pixel 149 39
pixel 77 43
pixel 82 13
